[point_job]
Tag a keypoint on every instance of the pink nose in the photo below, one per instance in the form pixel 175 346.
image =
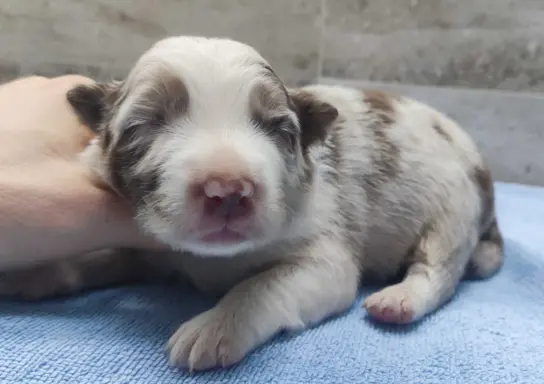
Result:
pixel 228 199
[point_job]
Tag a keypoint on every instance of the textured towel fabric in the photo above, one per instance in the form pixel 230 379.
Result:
pixel 492 331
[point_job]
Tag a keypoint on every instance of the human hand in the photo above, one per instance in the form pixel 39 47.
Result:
pixel 49 207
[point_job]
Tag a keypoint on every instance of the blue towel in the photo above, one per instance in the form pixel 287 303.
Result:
pixel 491 332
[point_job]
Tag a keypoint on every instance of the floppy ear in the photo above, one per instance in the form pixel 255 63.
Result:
pixel 92 102
pixel 315 116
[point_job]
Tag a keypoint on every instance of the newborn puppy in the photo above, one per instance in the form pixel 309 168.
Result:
pixel 282 199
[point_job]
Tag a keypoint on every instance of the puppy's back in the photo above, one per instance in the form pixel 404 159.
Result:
pixel 402 164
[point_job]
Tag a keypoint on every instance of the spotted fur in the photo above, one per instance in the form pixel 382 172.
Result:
pixel 354 185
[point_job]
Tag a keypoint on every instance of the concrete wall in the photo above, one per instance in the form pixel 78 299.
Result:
pixel 102 38
pixel 490 44
pixel 475 43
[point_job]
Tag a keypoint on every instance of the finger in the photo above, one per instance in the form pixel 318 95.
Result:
pixel 67 82
pixel 23 83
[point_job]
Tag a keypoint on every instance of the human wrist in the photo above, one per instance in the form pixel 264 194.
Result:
pixel 45 216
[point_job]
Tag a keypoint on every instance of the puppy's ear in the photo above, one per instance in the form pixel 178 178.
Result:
pixel 316 117
pixel 93 102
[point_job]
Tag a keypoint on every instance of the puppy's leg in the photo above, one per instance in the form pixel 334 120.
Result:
pixel 488 257
pixel 440 258
pixel 321 280
pixel 64 277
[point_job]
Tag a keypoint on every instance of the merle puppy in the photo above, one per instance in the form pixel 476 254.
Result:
pixel 281 199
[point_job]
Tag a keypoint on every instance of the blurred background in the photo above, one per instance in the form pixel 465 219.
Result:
pixel 474 43
pixel 491 46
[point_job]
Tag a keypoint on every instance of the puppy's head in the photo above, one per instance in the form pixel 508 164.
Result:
pixel 206 142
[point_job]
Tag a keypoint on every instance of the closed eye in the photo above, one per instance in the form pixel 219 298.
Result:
pixel 283 127
pixel 289 137
pixel 141 124
pixel 279 122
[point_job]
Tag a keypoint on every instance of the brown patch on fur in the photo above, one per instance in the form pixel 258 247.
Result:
pixel 315 116
pixel 165 100
pixel 92 103
pixel 333 156
pixel 270 98
pixel 123 157
pixel 488 256
pixel 387 155
pixel 438 129
pixel 106 139
pixel 416 253
pixel 493 234
pixel 96 104
pixel 381 103
pixel 482 178
pixel 267 100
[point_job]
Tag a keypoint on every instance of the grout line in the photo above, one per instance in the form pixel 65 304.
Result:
pixel 493 92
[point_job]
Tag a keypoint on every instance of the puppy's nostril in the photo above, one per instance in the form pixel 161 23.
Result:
pixel 228 199
pixel 214 190
pixel 216 200
pixel 247 189
pixel 219 188
pixel 244 202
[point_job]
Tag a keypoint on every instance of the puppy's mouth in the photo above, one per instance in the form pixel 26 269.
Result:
pixel 224 236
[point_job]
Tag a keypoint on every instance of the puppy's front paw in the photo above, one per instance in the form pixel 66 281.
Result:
pixel 212 339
